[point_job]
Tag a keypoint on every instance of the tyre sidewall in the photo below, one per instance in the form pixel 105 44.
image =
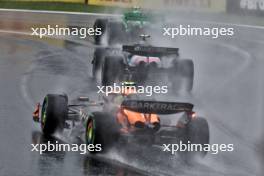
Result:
pixel 100 23
pixel 56 113
pixel 112 70
pixel 105 130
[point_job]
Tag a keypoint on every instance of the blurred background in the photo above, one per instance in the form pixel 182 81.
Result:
pixel 240 13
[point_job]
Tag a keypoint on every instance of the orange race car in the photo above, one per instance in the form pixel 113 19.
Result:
pixel 122 118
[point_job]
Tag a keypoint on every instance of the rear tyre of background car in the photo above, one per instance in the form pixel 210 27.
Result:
pixel 101 129
pixel 112 70
pixel 98 60
pixel 53 114
pixel 102 24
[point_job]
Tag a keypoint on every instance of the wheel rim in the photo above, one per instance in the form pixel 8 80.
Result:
pixel 90 132
pixel 44 113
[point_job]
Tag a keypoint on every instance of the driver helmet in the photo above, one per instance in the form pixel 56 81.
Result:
pixel 128 88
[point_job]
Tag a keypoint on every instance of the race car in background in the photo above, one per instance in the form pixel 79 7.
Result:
pixel 144 64
pixel 127 29
pixel 122 119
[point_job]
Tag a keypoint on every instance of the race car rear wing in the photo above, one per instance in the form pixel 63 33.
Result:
pixel 150 50
pixel 156 107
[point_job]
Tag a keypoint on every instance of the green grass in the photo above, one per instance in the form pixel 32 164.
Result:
pixel 59 6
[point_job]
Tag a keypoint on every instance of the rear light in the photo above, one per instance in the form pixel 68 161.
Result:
pixel 192 115
pixel 36 113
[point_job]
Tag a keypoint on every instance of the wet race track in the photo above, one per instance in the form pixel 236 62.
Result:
pixel 227 91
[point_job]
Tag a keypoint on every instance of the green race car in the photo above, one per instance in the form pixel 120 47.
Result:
pixel 127 29
pixel 136 18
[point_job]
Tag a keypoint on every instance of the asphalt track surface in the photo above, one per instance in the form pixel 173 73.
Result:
pixel 228 91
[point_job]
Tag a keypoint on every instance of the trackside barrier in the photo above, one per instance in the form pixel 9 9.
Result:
pixel 197 5
pixel 246 7
pixel 117 3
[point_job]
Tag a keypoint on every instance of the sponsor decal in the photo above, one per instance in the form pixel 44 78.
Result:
pixel 153 106
pixel 246 7
pixel 252 4
pixel 120 3
pixel 84 116
pixel 156 107
pixel 188 3
pixel 197 5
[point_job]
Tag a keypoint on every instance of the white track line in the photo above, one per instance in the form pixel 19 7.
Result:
pixel 52 37
pixel 228 24
pixel 59 12
pixel 15 32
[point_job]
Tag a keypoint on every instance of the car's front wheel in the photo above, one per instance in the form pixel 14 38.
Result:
pixel 53 114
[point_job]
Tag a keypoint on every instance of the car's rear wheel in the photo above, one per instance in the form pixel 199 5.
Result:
pixel 102 24
pixel 98 60
pixel 101 129
pixel 197 133
pixel 112 71
pixel 53 114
